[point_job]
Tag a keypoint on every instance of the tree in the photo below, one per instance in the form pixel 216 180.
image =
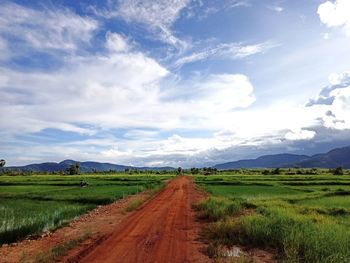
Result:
pixel 2 163
pixel 179 171
pixel 277 171
pixel 74 169
pixel 338 171
pixel 194 171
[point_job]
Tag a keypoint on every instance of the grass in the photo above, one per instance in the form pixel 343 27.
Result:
pixel 21 218
pixel 216 208
pixel 134 204
pixel 305 219
pixel 59 250
pixel 30 205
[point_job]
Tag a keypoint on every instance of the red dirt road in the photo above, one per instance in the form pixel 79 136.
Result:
pixel 162 230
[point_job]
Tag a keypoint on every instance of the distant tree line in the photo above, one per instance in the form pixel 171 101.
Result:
pixel 75 169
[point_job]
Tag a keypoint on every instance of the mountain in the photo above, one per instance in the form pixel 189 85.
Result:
pixel 84 167
pixel 331 159
pixel 265 161
pixel 334 158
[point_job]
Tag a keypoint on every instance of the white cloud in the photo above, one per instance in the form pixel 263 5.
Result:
pixel 340 110
pixel 300 135
pixel 339 79
pixel 278 9
pixel 116 42
pixel 227 51
pixel 157 15
pixel 103 91
pixel 238 3
pixel 225 92
pixel 46 29
pixel 202 10
pixel 333 102
pixel 336 14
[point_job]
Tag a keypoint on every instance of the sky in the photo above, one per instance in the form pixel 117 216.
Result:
pixel 172 83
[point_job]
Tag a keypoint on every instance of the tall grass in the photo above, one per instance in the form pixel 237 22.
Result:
pixel 298 238
pixel 312 227
pixel 30 205
pixel 219 207
pixel 20 218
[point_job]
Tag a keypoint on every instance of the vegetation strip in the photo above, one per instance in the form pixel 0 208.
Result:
pixel 302 226
pixel 35 204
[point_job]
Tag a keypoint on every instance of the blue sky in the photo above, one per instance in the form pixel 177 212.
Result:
pixel 180 83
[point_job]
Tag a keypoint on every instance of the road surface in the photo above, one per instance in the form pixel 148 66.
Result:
pixel 162 230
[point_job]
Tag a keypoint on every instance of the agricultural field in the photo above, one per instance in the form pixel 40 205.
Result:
pixel 302 218
pixel 30 205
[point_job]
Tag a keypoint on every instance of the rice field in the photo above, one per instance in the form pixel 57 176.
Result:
pixel 30 205
pixel 302 218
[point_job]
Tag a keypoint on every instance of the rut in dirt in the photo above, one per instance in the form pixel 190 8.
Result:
pixel 162 230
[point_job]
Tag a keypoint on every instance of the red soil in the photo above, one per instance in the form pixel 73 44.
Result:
pixel 162 230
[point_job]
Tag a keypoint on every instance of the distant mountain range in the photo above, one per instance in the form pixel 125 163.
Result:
pixel 331 159
pixel 84 167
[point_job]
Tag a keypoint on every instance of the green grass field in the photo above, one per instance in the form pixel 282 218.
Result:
pixel 30 205
pixel 304 218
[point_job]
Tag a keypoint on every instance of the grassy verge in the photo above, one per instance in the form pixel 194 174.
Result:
pixel 215 208
pixel 309 227
pixel 60 250
pixel 134 204
pixel 30 205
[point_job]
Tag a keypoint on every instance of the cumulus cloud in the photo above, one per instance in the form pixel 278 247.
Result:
pixel 300 135
pixel 120 89
pixel 326 96
pixel 334 101
pixel 225 91
pixel 336 14
pixel 96 90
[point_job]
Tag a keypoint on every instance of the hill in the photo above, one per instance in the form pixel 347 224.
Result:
pixel 334 158
pixel 331 159
pixel 84 167
pixel 265 161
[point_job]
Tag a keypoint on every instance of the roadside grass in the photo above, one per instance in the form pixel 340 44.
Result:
pixel 30 205
pixel 302 225
pixel 134 204
pixel 216 208
pixel 60 250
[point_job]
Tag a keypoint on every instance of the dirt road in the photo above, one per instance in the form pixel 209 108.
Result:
pixel 162 230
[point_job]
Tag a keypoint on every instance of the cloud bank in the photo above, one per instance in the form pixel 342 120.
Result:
pixel 336 14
